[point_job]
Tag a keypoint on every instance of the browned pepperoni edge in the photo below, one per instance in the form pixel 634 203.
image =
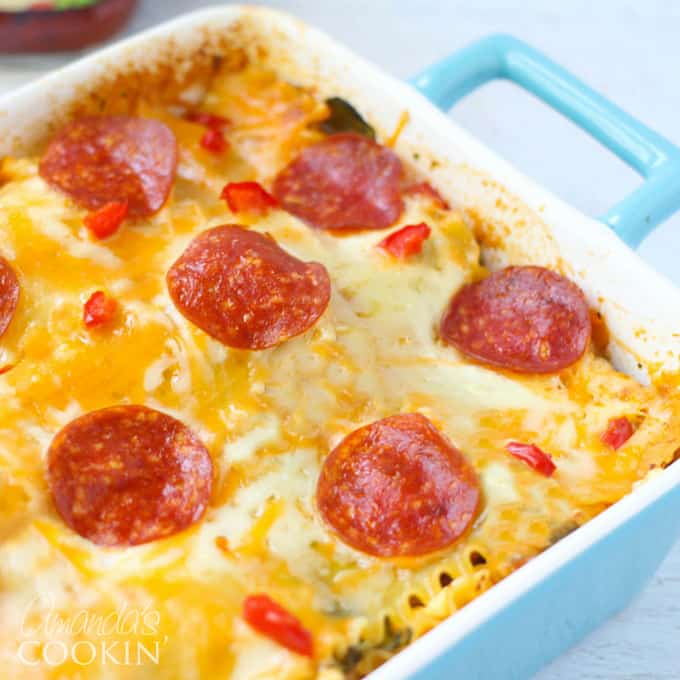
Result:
pixel 343 182
pixel 127 475
pixel 9 294
pixel 397 488
pixel 244 290
pixel 102 159
pixel 524 319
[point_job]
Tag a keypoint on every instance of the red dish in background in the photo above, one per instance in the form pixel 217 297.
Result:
pixel 61 26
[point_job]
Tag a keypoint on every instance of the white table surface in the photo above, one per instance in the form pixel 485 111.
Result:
pixel 629 51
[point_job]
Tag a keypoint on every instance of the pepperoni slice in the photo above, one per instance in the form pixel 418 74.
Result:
pixel 244 290
pixel 344 182
pixel 9 294
pixel 102 159
pixel 525 319
pixel 127 475
pixel 398 487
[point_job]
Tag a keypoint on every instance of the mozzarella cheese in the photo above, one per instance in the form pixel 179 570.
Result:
pixel 269 419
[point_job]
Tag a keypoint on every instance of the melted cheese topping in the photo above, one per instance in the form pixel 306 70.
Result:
pixel 173 607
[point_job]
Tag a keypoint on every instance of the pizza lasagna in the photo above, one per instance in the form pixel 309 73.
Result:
pixel 264 412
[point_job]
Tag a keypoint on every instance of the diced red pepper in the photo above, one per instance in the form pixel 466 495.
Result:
pixel 533 457
pixel 618 432
pixel 426 189
pixel 209 120
pixel 214 141
pixel 248 197
pixel 271 619
pixel 99 309
pixel 406 241
pixel 106 221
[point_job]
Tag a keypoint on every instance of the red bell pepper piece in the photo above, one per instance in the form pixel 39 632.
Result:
pixel 533 457
pixel 426 189
pixel 248 197
pixel 209 120
pixel 271 619
pixel 106 221
pixel 618 432
pixel 406 241
pixel 213 140
pixel 99 309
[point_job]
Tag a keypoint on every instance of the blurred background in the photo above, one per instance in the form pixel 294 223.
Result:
pixel 627 50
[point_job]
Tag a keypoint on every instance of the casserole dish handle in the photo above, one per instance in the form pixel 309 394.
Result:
pixel 652 156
